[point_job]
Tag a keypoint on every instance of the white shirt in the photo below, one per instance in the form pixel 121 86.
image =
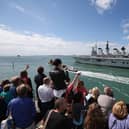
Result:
pixel 45 93
pixel 59 93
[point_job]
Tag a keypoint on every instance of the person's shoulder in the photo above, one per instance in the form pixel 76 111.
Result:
pixel 60 116
pixel 83 89
pixel 26 100
pixel 128 117
pixel 112 117
pixel 1 93
pixel 52 72
pixel 55 71
pixel 102 98
pixel 29 99
pixel 41 87
pixel 15 100
pixel 105 98
pixel 12 87
pixel 43 75
pixel 49 88
pixel 29 79
pixel 36 76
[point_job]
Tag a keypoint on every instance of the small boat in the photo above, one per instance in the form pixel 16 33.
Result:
pixel 18 55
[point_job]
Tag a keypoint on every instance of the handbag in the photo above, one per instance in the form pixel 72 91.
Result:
pixel 43 126
pixel 8 123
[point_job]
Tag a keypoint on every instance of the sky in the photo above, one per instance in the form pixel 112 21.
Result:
pixel 62 27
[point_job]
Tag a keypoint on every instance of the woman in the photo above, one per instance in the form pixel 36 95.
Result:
pixel 94 96
pixel 77 108
pixel 119 118
pixel 59 78
pixel 6 94
pixel 95 118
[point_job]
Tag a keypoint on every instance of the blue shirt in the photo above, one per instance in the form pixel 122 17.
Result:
pixel 1 89
pixel 115 123
pixel 13 91
pixel 23 111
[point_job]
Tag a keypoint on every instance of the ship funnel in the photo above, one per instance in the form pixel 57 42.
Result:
pixel 94 51
pixel 100 52
pixel 117 52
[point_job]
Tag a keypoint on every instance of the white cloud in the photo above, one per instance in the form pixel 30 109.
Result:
pixel 13 43
pixel 103 5
pixel 19 8
pixel 126 37
pixel 125 27
pixel 5 27
pixel 26 11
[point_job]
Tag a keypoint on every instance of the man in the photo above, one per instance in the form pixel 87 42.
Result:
pixel 22 109
pixel 39 81
pixel 46 96
pixel 15 81
pixel 106 100
pixel 39 77
pixel 57 120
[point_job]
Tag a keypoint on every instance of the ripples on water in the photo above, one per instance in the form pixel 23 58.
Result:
pixel 92 75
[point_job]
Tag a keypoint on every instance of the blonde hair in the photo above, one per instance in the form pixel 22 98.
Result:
pixel 95 92
pixel 120 110
pixel 46 80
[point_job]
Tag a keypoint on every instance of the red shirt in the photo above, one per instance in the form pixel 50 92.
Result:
pixel 82 90
pixel 76 90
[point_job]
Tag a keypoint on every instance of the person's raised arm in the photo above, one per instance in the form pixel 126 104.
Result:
pixel 27 67
pixel 75 80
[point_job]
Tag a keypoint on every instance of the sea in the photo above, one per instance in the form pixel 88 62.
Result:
pixel 92 75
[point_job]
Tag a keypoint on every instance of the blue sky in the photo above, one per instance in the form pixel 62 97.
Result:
pixel 36 27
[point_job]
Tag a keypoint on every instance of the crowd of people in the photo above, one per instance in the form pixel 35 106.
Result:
pixel 63 103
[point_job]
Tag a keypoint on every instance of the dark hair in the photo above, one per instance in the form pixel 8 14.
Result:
pixel 22 90
pixel 57 62
pixel 23 74
pixel 40 69
pixel 108 91
pixel 4 82
pixel 59 102
pixel 6 87
pixel 15 80
pixel 81 83
pixel 77 97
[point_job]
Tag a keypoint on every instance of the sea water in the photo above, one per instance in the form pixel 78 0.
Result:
pixel 92 75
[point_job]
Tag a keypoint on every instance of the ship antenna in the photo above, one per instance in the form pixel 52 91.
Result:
pixel 107 47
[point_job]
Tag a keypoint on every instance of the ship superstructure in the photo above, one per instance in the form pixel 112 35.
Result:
pixel 119 58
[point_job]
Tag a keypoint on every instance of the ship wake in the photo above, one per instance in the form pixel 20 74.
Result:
pixel 118 79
